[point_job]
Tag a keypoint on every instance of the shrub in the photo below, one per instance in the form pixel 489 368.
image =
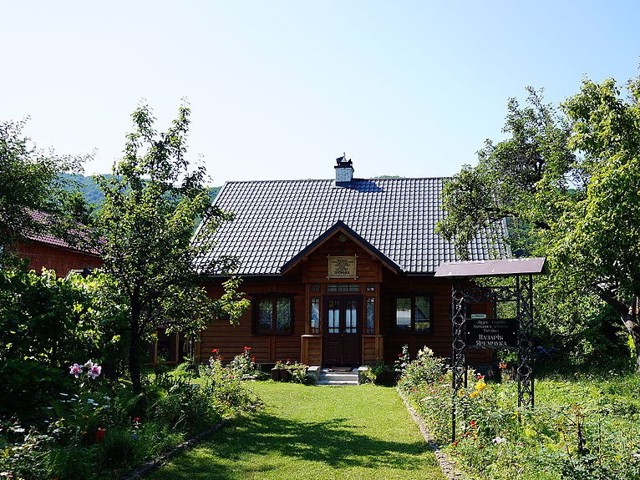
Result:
pixel 243 365
pixel 426 368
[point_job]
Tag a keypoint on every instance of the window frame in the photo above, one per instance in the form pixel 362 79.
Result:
pixel 412 325
pixel 273 299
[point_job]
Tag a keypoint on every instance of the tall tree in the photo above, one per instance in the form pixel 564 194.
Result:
pixel 30 180
pixel 144 230
pixel 568 183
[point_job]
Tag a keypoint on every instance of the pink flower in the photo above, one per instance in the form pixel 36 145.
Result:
pixel 215 351
pixel 75 370
pixel 94 371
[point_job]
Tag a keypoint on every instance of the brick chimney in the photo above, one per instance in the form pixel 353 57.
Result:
pixel 344 171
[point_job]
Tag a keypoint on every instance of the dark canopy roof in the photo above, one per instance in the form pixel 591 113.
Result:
pixel 276 220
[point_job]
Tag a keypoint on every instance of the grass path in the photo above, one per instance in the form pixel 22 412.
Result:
pixel 313 432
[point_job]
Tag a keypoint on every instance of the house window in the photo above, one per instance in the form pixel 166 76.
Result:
pixel 314 315
pixel 371 315
pixel 343 288
pixel 413 314
pixel 274 314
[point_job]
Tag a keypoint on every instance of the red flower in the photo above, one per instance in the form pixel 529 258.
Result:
pixel 100 434
pixel 215 351
pixel 136 419
pixel 253 359
pixel 473 424
pixel 246 349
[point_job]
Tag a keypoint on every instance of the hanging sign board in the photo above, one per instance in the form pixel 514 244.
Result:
pixel 492 333
pixel 342 266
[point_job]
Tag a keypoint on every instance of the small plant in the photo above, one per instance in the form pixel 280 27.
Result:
pixel 425 369
pixel 298 372
pixel 244 364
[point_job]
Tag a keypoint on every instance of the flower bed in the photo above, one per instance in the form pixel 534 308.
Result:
pixel 586 428
pixel 101 429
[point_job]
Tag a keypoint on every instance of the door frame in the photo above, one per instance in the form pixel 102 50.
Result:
pixel 328 337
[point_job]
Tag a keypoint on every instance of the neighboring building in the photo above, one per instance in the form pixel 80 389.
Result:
pixel 339 272
pixel 45 250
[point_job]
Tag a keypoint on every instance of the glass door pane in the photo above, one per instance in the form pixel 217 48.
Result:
pixel 351 317
pixel 333 317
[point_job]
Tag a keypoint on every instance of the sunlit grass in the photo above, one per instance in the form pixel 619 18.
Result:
pixel 313 432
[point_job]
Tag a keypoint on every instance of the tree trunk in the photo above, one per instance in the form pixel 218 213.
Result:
pixel 631 323
pixel 134 347
pixel 628 316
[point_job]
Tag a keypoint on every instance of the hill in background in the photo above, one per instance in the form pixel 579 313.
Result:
pixel 92 194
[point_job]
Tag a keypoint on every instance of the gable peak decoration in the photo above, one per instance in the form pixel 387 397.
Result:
pixel 344 170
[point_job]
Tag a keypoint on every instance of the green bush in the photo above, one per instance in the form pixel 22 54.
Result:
pixel 582 427
pixel 425 369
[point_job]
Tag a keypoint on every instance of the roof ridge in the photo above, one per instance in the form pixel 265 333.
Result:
pixel 290 180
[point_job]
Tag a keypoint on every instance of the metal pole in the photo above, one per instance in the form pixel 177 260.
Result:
pixel 458 350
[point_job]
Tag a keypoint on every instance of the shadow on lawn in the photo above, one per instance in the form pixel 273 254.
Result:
pixel 333 442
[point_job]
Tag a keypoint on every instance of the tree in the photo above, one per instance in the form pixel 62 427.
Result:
pixel 144 230
pixel 30 180
pixel 568 183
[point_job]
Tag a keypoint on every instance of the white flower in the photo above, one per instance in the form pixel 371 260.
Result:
pixel 499 440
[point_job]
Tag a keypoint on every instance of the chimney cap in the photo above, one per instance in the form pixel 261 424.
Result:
pixel 341 161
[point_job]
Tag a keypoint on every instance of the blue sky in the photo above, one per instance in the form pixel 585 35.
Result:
pixel 279 89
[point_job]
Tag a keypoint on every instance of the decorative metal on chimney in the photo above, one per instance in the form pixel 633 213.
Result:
pixel 344 170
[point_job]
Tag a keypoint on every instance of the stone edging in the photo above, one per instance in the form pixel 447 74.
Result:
pixel 448 468
pixel 152 465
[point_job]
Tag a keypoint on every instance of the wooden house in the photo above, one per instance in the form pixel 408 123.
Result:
pixel 45 250
pixel 339 272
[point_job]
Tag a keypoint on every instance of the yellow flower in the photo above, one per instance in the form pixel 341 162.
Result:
pixel 480 386
pixel 473 394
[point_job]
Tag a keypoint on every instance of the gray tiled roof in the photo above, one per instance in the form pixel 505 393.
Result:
pixel 275 220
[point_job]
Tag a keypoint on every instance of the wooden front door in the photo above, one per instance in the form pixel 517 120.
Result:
pixel 341 331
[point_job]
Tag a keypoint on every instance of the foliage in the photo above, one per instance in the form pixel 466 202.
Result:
pixel 99 428
pixel 88 187
pixel 243 365
pixel 566 182
pixel 582 427
pixel 380 374
pixel 229 392
pixel 29 181
pixel 46 324
pixel 299 373
pixel 426 368
pixel 144 231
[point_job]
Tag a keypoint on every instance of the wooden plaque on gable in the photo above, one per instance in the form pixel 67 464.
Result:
pixel 342 266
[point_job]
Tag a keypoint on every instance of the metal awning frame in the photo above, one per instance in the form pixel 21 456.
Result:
pixel 464 292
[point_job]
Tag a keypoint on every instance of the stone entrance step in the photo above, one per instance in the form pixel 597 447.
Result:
pixel 330 376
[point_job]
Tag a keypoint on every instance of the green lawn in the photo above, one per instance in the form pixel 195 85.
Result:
pixel 313 432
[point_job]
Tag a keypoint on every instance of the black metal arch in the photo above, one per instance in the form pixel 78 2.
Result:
pixel 464 293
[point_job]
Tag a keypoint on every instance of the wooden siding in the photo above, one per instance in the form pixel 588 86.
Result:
pixel 62 260
pixel 230 340
pixel 315 267
pixel 440 338
pixel 308 280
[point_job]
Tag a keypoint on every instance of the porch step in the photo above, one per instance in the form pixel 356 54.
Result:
pixel 328 377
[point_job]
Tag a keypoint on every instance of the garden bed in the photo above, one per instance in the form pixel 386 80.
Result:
pixel 583 427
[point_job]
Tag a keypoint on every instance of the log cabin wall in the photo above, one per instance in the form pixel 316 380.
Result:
pixel 230 339
pixel 309 281
pixel 62 260
pixel 440 338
